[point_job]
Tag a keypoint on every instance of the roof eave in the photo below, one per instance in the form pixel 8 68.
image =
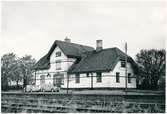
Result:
pixel 92 71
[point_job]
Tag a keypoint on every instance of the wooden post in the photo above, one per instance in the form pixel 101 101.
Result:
pixel 126 67
pixel 67 83
pixel 91 80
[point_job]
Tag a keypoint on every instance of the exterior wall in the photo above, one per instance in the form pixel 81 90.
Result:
pixel 65 65
pixel 108 79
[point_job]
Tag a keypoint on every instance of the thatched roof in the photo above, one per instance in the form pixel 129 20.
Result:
pixel 88 59
pixel 69 49
pixel 104 60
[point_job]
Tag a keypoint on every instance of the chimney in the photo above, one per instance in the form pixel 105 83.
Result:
pixel 99 46
pixel 67 40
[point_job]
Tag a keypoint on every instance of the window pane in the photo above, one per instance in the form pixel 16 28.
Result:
pixel 123 64
pixel 58 80
pixel 58 65
pixel 58 54
pixel 54 80
pixel 62 80
pixel 117 77
pixel 77 78
pixel 129 77
pixel 99 77
pixel 42 80
pixel 87 74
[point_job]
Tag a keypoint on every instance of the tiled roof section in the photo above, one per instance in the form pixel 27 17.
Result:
pixel 69 49
pixel 104 60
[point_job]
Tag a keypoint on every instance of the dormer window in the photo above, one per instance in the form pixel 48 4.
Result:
pixel 123 64
pixel 58 54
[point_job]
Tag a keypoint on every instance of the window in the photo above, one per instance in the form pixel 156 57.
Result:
pixel 62 80
pixel 123 64
pixel 54 80
pixel 58 65
pixel 77 78
pixel 87 74
pixel 117 77
pixel 58 80
pixel 42 80
pixel 58 54
pixel 99 78
pixel 33 81
pixel 129 77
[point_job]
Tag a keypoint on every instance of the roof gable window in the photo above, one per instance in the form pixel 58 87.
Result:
pixel 58 54
pixel 123 64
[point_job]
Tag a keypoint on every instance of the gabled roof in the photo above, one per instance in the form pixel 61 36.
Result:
pixel 69 49
pixel 104 60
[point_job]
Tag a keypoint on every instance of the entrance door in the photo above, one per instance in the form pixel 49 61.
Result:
pixel 58 80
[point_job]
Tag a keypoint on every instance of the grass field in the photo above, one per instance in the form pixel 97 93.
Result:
pixel 97 92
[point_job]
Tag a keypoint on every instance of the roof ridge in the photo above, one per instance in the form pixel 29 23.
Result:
pixel 74 43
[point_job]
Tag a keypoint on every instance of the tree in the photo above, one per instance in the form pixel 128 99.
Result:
pixel 7 67
pixel 151 67
pixel 16 69
pixel 26 64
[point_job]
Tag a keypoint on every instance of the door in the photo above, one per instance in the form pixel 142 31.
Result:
pixel 58 80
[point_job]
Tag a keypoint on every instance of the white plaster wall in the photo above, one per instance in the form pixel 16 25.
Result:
pixel 65 65
pixel 108 79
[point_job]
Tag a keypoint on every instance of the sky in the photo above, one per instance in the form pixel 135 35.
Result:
pixel 30 27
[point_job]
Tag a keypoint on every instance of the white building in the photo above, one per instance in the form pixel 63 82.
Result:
pixel 78 66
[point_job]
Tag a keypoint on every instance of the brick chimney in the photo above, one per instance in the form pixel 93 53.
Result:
pixel 67 40
pixel 99 45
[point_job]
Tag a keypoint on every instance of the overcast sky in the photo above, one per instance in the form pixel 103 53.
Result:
pixel 32 27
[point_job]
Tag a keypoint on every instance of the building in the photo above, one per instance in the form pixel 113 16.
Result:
pixel 71 65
